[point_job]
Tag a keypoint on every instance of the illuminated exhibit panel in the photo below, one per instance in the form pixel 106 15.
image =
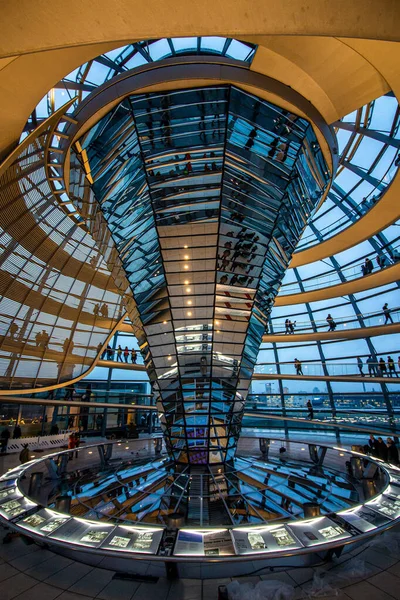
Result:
pixel 206 192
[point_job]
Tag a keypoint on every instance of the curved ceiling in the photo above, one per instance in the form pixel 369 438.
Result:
pixel 118 22
pixel 336 75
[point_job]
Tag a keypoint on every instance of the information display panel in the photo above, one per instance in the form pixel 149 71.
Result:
pixel 373 516
pixel 83 533
pixel 354 518
pixel 318 531
pixel 272 538
pixel 202 542
pixel 43 522
pixel 10 507
pixel 133 539
pixel 388 505
pixel 10 492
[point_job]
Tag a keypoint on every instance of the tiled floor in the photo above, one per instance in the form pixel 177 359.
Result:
pixel 29 572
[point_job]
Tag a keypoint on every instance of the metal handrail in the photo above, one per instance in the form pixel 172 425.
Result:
pixel 322 324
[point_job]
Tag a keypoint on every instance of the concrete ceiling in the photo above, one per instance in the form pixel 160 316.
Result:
pixel 338 54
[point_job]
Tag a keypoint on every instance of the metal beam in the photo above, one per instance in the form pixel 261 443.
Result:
pixel 364 175
pixel 375 135
pixel 75 85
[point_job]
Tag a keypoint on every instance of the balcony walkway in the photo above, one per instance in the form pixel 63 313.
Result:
pixel 269 376
pixel 346 378
pixel 260 413
pixel 346 334
pixel 367 282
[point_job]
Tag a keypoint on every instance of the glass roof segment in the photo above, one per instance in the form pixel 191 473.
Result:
pixel 53 276
pixel 369 148
pixel 84 79
pixel 206 192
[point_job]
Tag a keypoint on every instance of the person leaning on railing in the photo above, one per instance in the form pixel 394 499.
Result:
pixel 381 261
pixel 386 313
pixel 331 323
pixel 367 267
pixel 395 255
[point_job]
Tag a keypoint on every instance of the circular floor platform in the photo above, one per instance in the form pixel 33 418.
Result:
pixel 112 501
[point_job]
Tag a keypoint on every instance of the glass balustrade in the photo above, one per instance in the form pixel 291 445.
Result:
pixel 348 273
pixel 328 368
pixel 259 414
pixel 342 323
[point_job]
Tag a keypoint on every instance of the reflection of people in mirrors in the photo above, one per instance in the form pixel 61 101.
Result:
pixel 104 310
pixel 250 141
pixel 69 392
pixel 68 346
pixel 203 365
pixel 13 330
pixel 45 339
pixel 42 339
